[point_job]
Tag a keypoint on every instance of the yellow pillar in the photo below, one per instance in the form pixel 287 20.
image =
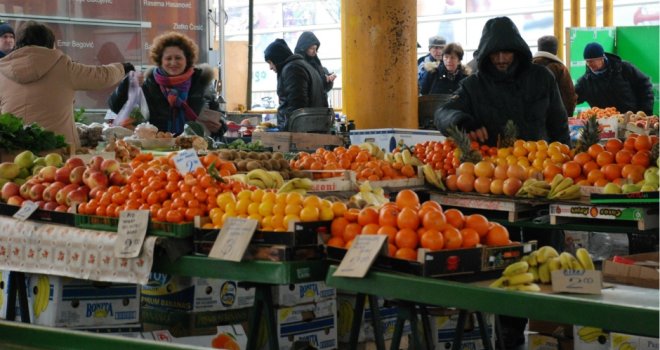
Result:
pixel 608 13
pixel 379 63
pixel 591 13
pixel 575 13
pixel 559 27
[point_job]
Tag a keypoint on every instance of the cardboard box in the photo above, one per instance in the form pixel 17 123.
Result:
pixel 193 294
pixel 124 330
pixel 590 338
pixel 302 293
pixel 554 329
pixel 296 141
pixel 183 324
pixel 222 337
pixel 546 342
pixel 389 139
pixel 74 302
pixel 443 331
pixel 346 309
pixel 316 323
pixel 621 341
pixel 638 275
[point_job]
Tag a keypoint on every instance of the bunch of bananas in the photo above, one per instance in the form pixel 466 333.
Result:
pixel 344 318
pixel 301 185
pixel 404 157
pixel 260 178
pixel 373 149
pixel 546 259
pixel 564 188
pixel 592 334
pixel 369 195
pixel 42 295
pixel 434 177
pixel 517 277
pixel 534 188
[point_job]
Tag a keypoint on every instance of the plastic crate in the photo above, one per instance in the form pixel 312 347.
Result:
pixel 156 228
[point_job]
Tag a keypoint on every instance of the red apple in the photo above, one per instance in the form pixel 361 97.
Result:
pixel 76 197
pixel 95 179
pixel 95 162
pixel 63 208
pixel 15 200
pixel 109 165
pixel 9 189
pixel 60 196
pixel 36 192
pixel 62 174
pixel 47 173
pixel 24 190
pixel 51 191
pixel 50 206
pixel 74 162
pixel 76 176
pixel 40 204
pixel 117 178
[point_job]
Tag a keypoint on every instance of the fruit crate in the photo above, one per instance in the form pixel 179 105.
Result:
pixel 492 206
pixel 49 216
pixel 450 263
pixel 156 228
pixel 498 258
pixel 640 217
pixel 416 181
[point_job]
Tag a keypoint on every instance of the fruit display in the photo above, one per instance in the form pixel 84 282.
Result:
pixel 248 161
pixel 598 113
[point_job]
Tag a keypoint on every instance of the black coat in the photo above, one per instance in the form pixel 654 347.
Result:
pixel 622 86
pixel 439 81
pixel 200 96
pixel 306 40
pixel 298 85
pixel 527 93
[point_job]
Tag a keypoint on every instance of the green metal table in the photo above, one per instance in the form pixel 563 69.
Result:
pixel 625 309
pixel 262 275
pixel 17 335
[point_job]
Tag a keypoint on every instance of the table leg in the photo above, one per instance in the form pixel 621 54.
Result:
pixel 483 330
pixel 12 290
pixel 426 326
pixel 263 300
pixel 375 319
pixel 358 311
pixel 398 327
pixel 497 327
pixel 460 327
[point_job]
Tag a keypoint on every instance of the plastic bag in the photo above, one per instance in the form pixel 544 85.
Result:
pixel 135 110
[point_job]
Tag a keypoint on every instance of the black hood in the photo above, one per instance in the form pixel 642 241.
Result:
pixel 277 52
pixel 306 40
pixel 501 34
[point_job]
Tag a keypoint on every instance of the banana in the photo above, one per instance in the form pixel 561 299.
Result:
pixel 258 183
pixel 521 278
pixel 516 269
pixel 432 178
pixel 590 334
pixel 534 270
pixel 571 192
pixel 42 295
pixel 531 258
pixel 389 157
pixel 538 190
pixel 277 178
pixel 584 258
pixel 565 260
pixel 546 252
pixel 406 156
pixel 544 273
pixel 240 178
pixel 527 287
pixel 553 264
pixel 286 187
pixel 500 282
pixel 304 183
pixel 45 296
pixel 398 158
pixel 263 176
pixel 556 180
pixel 564 184
pixel 627 346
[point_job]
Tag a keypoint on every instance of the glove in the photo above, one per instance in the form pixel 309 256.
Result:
pixel 128 67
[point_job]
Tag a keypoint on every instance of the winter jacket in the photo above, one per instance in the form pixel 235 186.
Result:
pixel 39 84
pixel 562 76
pixel 421 62
pixel 621 85
pixel 437 80
pixel 306 40
pixel 298 85
pixel 200 96
pixel 526 94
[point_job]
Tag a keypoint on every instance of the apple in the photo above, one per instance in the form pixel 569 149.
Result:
pixel 109 165
pixel 9 189
pixel 76 197
pixel 95 178
pixel 63 208
pixel 60 196
pixel 54 159
pixel 40 204
pixel 74 162
pixel 611 188
pixel 76 175
pixel 651 175
pixel 36 192
pixel 50 206
pixel 24 190
pixel 630 188
pixel 47 173
pixel 36 169
pixel 51 190
pixel 95 162
pixel 62 174
pixel 117 178
pixel 15 200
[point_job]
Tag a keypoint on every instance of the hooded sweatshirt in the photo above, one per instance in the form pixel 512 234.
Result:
pixel 526 93
pixel 306 40
pixel 39 84
pixel 562 76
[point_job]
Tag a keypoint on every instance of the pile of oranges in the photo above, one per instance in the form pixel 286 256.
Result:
pixel 410 225
pixel 365 165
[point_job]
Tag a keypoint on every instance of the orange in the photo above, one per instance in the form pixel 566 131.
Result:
pixel 407 218
pixel 613 145
pixel 390 231
pixel 387 215
pixel 589 166
pixel 470 238
pixel 643 143
pixel 482 184
pixel 623 156
pixel 336 241
pixel 500 171
pixel 308 214
pixel 498 235
pixel 594 150
pixel 451 182
pixel 550 170
pixel 368 215
pixel 339 208
pixel 604 158
pixel 497 186
pixel 432 204
pixel 465 182
pixel 453 238
pixel 571 169
pixel 484 168
pixel 582 158
pixel 406 238
pixel 434 220
pixel 642 158
pixel 406 253
pixel 351 231
pixel 407 199
pixel 477 222
pixel 391 250
pixel 352 214
pixel 611 171
pixel 516 171
pixel 370 229
pixel 455 218
pixel 595 175
pixel 432 240
pixel 465 168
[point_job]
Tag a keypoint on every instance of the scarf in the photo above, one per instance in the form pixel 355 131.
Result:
pixel 176 90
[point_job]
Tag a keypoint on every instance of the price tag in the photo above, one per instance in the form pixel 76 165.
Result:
pixel 361 255
pixel 187 161
pixel 577 281
pixel 131 232
pixel 233 239
pixel 27 208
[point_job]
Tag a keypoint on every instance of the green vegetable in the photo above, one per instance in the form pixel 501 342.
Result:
pixel 16 136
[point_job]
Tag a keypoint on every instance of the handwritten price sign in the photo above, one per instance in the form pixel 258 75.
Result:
pixel 131 232
pixel 187 161
pixel 361 255
pixel 577 281
pixel 233 239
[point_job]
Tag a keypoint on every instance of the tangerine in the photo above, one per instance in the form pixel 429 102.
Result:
pixel 477 222
pixel 465 182
pixel 406 238
pixel 390 231
pixel 498 235
pixel 407 218
pixel 406 254
pixel 571 169
pixel 336 241
pixel 611 171
pixel 455 217
pixel 434 219
pixel 387 215
pixel 613 145
pixel 370 229
pixel 368 215
pixel 470 238
pixel 453 238
pixel 350 231
pixel 604 158
pixel 643 143
pixel 623 156
pixel 582 158
pixel 594 150
pixel 352 214
pixel 642 158
pixel 432 240
pixel 407 199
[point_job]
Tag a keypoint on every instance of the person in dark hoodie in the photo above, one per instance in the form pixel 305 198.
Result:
pixel 611 82
pixel 299 85
pixel 547 57
pixel 308 46
pixel 7 39
pixel 506 86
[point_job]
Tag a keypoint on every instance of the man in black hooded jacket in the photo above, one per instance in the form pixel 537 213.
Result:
pixel 299 85
pixel 307 47
pixel 506 86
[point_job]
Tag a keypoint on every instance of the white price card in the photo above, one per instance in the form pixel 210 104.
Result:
pixel 577 281
pixel 27 208
pixel 361 255
pixel 233 239
pixel 131 232
pixel 187 161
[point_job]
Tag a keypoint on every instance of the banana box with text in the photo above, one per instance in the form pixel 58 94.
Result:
pixel 346 309
pixel 389 139
pixel 590 338
pixel 315 323
pixel 193 294
pixel 443 331
pixel 302 293
pixel 622 341
pixel 67 302
pixel 222 337
pixel 537 341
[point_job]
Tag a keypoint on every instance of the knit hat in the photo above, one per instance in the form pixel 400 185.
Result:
pixel 548 43
pixel 593 50
pixel 437 40
pixel 277 52
pixel 6 28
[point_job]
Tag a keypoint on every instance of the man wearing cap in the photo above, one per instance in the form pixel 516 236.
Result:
pixel 433 59
pixel 610 81
pixel 547 57
pixel 7 39
pixel 298 84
